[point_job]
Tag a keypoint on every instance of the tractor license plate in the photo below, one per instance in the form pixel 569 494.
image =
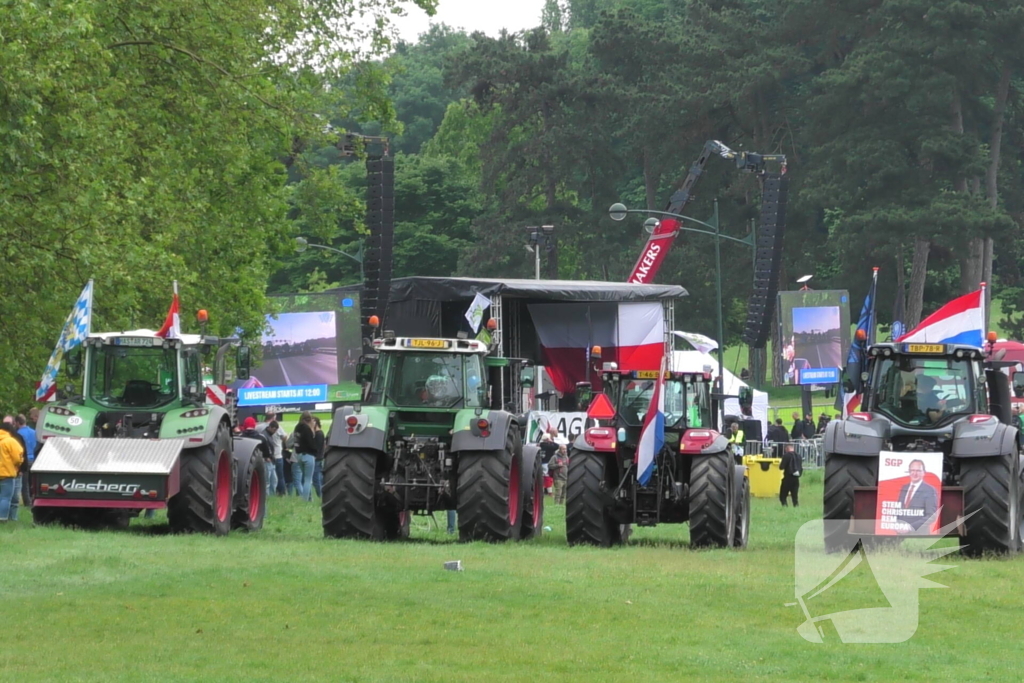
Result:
pixel 926 348
pixel 428 343
pixel 133 341
pixel 647 374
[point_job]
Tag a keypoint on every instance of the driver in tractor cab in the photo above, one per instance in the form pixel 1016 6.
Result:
pixel 920 398
pixel 439 391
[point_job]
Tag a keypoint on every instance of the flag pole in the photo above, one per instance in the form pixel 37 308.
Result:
pixel 871 316
pixel 88 325
pixel 984 311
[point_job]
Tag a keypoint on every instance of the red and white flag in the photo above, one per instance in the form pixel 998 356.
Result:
pixel 172 324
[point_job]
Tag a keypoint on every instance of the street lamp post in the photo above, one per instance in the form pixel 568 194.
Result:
pixel 618 212
pixel 301 244
pixel 542 235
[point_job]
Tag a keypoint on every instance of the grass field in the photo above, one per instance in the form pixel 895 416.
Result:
pixel 287 604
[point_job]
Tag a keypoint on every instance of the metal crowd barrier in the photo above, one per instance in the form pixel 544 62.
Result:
pixel 811 451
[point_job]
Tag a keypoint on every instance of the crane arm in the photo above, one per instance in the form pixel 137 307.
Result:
pixel 662 238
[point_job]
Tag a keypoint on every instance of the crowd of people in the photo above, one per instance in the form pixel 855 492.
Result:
pixel 294 461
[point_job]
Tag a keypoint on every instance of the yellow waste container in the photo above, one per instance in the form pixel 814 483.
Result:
pixel 764 474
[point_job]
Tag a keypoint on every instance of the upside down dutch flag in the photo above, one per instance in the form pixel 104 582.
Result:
pixel 652 436
pixel 961 321
pixel 171 328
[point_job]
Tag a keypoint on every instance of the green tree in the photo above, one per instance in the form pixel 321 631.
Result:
pixel 143 144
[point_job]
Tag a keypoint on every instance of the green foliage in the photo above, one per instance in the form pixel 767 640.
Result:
pixel 143 144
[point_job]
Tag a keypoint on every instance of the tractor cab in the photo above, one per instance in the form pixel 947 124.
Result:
pixel 927 386
pixel 687 402
pixel 446 374
pixel 925 390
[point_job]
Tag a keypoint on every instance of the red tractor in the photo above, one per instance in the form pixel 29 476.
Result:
pixel 695 476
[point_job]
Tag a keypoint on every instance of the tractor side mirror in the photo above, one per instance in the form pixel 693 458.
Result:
pixel 243 362
pixel 527 376
pixel 364 370
pixel 74 363
pixel 584 395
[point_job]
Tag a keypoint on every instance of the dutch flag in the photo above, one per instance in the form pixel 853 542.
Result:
pixel 652 436
pixel 961 321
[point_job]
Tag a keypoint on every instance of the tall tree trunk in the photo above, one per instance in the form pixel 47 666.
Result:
pixel 756 361
pixel 652 179
pixel 992 178
pixel 971 263
pixel 918 274
pixel 900 307
pixel 996 142
pixel 971 258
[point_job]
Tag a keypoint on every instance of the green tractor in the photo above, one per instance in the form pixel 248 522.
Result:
pixel 142 436
pixel 428 438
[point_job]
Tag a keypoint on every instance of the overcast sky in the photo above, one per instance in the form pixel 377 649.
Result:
pixel 489 16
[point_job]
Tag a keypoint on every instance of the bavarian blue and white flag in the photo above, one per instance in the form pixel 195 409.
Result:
pixel 652 436
pixel 475 312
pixel 76 329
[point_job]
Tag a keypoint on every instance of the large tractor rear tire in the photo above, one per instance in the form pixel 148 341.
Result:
pixel 588 502
pixel 992 491
pixel 251 496
pixel 742 488
pixel 490 494
pixel 203 504
pixel 533 506
pixel 351 504
pixel 842 474
pixel 712 509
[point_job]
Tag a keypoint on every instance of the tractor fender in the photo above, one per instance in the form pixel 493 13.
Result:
pixel 856 437
pixel 596 440
pixel 242 451
pixel 218 415
pixel 702 442
pixel 467 437
pixel 581 444
pixel 370 432
pixel 983 439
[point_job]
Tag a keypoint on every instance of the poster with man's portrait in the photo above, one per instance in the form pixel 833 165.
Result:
pixel 909 493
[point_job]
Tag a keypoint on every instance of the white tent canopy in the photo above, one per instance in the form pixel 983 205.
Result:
pixel 695 361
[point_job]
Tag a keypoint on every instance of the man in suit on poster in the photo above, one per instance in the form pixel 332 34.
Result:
pixel 918 500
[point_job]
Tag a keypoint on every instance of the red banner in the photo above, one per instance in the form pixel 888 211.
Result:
pixel 654 252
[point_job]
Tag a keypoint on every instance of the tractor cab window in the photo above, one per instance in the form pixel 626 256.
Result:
pixel 192 370
pixel 634 401
pixel 133 377
pixel 433 380
pixel 698 405
pixel 925 391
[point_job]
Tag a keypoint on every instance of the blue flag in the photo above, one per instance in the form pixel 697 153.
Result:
pixel 866 325
pixel 76 329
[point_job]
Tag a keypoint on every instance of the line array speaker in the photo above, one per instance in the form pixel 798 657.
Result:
pixel 378 252
pixel 767 260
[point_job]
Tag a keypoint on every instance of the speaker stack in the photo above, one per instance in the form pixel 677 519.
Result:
pixel 767 260
pixel 379 251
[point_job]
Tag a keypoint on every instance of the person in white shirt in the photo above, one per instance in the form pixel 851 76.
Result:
pixel 275 479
